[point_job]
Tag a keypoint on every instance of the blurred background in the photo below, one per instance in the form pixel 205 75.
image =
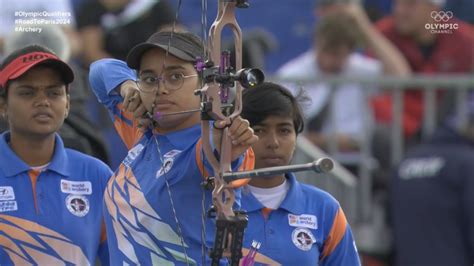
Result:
pixel 386 87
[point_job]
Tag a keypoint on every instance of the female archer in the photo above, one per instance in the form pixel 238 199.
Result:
pixel 155 206
pixel 289 222
pixel 50 196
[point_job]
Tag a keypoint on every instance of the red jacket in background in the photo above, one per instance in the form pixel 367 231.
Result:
pixel 452 53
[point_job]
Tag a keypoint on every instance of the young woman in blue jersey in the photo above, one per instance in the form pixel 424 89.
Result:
pixel 154 202
pixel 291 223
pixel 50 197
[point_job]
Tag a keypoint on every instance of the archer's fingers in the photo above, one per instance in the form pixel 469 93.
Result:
pixel 238 128
pixel 248 142
pixel 126 101
pixel 139 112
pixel 251 141
pixel 134 102
pixel 246 136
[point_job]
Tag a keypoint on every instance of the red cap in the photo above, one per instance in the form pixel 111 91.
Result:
pixel 25 62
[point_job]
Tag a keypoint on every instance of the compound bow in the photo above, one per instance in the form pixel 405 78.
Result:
pixel 215 100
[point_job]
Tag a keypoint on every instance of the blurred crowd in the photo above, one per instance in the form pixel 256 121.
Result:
pixel 430 192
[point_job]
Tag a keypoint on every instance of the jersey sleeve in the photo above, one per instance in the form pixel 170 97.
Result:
pixel 339 246
pixel 105 76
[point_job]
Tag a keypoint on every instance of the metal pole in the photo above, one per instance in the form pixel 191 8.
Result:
pixel 429 123
pixel 397 141
pixel 323 165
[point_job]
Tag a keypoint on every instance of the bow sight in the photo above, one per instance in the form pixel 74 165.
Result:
pixel 225 75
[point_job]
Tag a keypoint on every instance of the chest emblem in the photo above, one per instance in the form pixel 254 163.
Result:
pixel 7 193
pixel 303 238
pixel 168 162
pixel 77 205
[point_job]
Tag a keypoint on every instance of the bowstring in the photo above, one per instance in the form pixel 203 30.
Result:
pixel 160 155
pixel 203 189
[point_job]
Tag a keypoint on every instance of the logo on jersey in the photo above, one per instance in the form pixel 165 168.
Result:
pixel 8 205
pixel 172 153
pixel 303 238
pixel 76 187
pixel 421 167
pixel 304 220
pixel 133 154
pixel 77 205
pixel 7 193
pixel 168 162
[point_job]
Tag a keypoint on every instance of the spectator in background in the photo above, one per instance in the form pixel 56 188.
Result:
pixel 77 132
pixel 334 53
pixel 59 11
pixel 427 52
pixel 111 28
pixel 432 198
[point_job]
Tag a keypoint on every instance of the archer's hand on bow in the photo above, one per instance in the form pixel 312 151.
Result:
pixel 241 134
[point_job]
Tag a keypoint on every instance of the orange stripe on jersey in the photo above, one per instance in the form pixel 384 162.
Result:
pixel 120 177
pixel 67 251
pixel 32 226
pixel 17 260
pixel 6 242
pixel 132 179
pixel 248 163
pixel 17 233
pixel 42 258
pixel 336 234
pixel 128 133
pixel 199 160
pixel 266 212
pixel 103 232
pixel 34 177
pixel 125 114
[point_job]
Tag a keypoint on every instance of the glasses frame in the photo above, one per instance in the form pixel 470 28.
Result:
pixel 161 80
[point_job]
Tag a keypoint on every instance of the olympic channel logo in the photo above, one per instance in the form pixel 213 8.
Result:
pixel 441 25
pixel 439 16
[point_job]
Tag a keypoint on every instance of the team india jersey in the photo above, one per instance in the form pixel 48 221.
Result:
pixel 53 216
pixel 309 228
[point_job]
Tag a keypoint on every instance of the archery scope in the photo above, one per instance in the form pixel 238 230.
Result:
pixel 249 77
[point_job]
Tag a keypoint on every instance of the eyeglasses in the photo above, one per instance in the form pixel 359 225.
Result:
pixel 171 81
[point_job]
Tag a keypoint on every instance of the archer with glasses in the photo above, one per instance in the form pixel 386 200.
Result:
pixel 156 208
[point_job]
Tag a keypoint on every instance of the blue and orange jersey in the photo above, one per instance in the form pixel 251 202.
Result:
pixel 53 216
pixel 154 203
pixel 309 228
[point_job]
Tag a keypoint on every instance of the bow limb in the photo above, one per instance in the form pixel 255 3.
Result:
pixel 213 93
pixel 218 81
